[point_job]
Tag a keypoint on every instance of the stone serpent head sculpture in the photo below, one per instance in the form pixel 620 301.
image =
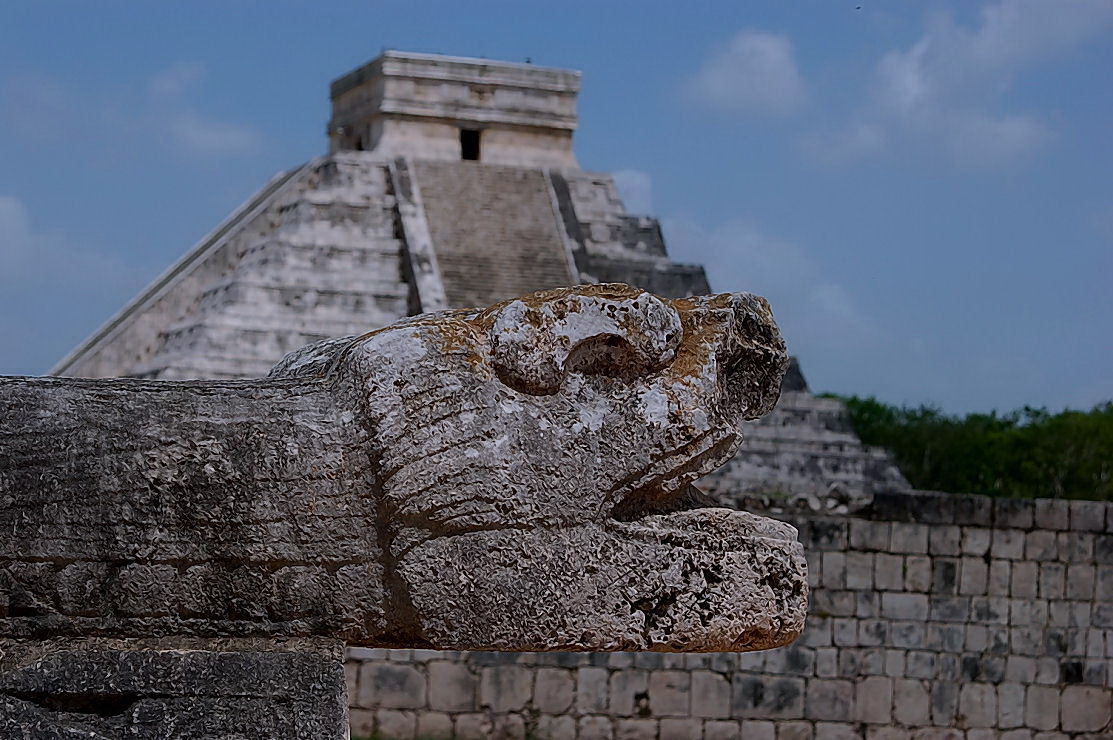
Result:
pixel 515 478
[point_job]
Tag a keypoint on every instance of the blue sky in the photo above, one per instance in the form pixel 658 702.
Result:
pixel 923 191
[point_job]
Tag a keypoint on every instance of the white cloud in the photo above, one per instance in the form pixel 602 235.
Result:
pixel 817 315
pixel 63 286
pixel 636 189
pixel 15 233
pixel 28 252
pixel 211 137
pixel 948 89
pixel 193 132
pixel 158 112
pixel 853 142
pixel 755 73
pixel 176 81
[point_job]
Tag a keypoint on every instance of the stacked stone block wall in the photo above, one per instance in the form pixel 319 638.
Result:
pixel 932 616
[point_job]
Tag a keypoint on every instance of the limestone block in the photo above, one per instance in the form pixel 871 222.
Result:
pixel 867 604
pixel 434 726
pixel 1000 572
pixel 827 662
pixel 1052 580
pixel 907 634
pixel 938 733
pixel 595 728
pixel 710 695
pixel 976 541
pixel 917 573
pixel 391 686
pixel 1087 516
pixel 1010 705
pixel 477 727
pixel 944 577
pixel 750 730
pixel 1040 544
pixel 504 688
pixel 680 729
pixel 977 705
pixel 873 632
pixel 560 727
pixel 1025 580
pixel 836 731
pixel 944 703
pixel 834 570
pixel 1052 514
pixel 859 570
pixel 759 697
pixel 1104 583
pixel 361 723
pixel 904 605
pixel 1086 708
pixel 945 540
pixel 452 687
pixel 829 699
pixel 394 723
pixel 669 693
pixel 911 702
pixel 920 664
pixel 635 729
pixel 1080 581
pixel 1008 544
pixel 795 731
pixel 888 733
pixel 894 663
pixel 101 687
pixel 1076 547
pixel 1103 548
pixel 909 538
pixel 508 727
pixel 1021 734
pixel 974 577
pixel 629 693
pixel 844 632
pixel 974 511
pixel 1013 513
pixel 1041 710
pixel 888 573
pixel 867 535
pixel 873 701
pixel 554 689
pixel 591 690
pixel 949 608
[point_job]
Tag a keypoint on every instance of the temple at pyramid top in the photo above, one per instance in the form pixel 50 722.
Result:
pixel 456 108
pixel 450 182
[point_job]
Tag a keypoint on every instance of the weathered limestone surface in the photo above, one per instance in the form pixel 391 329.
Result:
pixel 107 689
pixel 515 478
pixel 931 616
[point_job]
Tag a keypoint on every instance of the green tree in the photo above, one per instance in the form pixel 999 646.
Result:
pixel 1028 453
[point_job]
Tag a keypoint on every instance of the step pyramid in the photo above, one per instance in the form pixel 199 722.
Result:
pixel 450 182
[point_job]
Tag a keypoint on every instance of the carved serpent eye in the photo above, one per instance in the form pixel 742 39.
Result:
pixel 623 335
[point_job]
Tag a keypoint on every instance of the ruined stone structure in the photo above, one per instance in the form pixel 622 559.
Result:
pixel 933 617
pixel 515 478
pixel 452 182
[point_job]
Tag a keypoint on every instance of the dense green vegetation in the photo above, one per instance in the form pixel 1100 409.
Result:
pixel 1025 453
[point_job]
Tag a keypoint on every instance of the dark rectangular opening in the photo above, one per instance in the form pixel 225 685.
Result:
pixel 469 143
